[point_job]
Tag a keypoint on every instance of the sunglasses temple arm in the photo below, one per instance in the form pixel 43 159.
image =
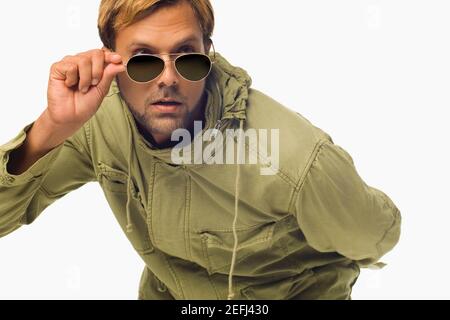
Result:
pixel 214 50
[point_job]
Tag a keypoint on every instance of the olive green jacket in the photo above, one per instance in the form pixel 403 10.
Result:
pixel 303 231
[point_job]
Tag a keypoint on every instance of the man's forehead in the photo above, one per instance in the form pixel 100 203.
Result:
pixel 147 42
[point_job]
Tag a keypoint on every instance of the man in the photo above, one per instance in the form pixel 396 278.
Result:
pixel 208 229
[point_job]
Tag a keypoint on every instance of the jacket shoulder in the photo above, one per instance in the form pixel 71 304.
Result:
pixel 298 137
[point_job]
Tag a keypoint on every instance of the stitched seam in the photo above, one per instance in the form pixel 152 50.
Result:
pixel 205 253
pixel 87 133
pixel 279 173
pixel 148 244
pixel 214 287
pixel 226 266
pixel 299 185
pixel 210 267
pixel 45 191
pixel 90 141
pixel 187 240
pixel 242 246
pixel 150 205
pixel 396 217
pixel 312 159
pixel 238 229
pixel 262 238
pixel 104 168
pixel 177 282
pixel 290 202
pixel 81 144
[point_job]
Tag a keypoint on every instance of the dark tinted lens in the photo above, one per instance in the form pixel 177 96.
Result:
pixel 143 68
pixel 193 67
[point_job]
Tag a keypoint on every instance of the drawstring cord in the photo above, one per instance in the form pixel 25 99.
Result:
pixel 231 293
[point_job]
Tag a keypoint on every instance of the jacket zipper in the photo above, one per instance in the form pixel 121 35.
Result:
pixel 217 127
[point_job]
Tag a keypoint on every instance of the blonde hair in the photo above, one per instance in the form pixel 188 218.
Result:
pixel 117 14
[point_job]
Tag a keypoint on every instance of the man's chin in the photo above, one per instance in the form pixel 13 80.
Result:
pixel 164 126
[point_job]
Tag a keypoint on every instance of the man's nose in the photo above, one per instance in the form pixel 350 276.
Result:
pixel 169 75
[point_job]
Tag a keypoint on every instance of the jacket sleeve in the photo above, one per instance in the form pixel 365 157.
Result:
pixel 338 212
pixel 63 169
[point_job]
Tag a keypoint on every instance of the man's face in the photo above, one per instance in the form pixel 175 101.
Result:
pixel 169 29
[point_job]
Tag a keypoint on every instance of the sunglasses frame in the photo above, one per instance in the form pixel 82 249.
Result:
pixel 180 54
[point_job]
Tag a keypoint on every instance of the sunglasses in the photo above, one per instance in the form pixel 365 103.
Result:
pixel 143 68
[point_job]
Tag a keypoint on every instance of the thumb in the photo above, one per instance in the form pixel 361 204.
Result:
pixel 111 70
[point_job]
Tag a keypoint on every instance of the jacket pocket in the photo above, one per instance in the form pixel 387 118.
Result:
pixel 114 184
pixel 284 289
pixel 254 244
pixel 112 179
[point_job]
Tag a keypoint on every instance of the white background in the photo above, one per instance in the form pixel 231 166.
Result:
pixel 373 74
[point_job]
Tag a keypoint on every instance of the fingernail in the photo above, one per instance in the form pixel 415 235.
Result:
pixel 84 90
pixel 94 82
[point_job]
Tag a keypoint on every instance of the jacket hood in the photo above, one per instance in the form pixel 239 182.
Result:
pixel 227 88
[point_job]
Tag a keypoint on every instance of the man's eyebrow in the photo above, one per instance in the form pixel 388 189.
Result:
pixel 176 46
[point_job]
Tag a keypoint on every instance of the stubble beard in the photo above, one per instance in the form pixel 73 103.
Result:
pixel 152 123
pixel 162 124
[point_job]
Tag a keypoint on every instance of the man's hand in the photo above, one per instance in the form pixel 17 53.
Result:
pixel 78 84
pixel 76 88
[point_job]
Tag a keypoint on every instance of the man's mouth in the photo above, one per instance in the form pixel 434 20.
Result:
pixel 166 105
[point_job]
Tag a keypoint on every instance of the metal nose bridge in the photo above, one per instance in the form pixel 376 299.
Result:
pixel 176 55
